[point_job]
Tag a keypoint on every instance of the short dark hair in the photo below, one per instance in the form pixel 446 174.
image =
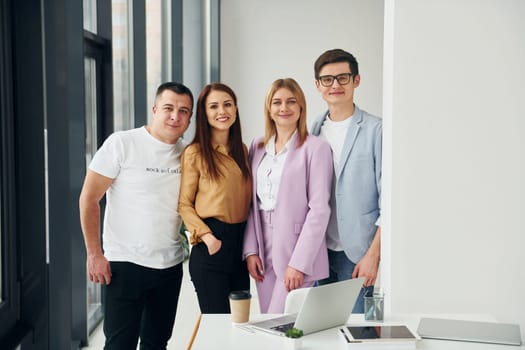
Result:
pixel 177 88
pixel 335 56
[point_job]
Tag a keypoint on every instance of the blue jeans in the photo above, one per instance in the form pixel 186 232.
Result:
pixel 341 269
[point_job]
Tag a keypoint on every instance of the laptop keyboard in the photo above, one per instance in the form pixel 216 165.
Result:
pixel 284 327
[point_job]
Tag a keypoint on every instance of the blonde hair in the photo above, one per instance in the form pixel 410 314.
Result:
pixel 295 89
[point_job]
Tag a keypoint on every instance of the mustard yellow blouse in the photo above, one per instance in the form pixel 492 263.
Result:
pixel 226 199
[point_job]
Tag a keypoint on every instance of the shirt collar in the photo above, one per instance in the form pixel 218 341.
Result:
pixel 270 146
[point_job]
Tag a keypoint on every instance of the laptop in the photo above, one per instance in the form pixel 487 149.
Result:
pixel 324 307
pixel 471 331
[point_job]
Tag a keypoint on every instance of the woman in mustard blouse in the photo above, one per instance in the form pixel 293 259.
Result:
pixel 214 200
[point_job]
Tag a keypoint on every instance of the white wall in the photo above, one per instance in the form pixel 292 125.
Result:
pixel 265 40
pixel 453 115
pixel 457 195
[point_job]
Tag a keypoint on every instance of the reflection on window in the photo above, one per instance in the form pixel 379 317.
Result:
pixel 90 72
pixel 153 48
pixel 90 15
pixel 94 293
pixel 123 110
pixel 158 60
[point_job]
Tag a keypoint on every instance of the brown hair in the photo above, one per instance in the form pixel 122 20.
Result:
pixel 335 56
pixel 203 134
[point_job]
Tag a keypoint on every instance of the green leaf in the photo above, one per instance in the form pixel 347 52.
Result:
pixel 294 333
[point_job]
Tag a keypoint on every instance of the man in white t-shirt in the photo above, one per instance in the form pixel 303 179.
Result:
pixel 141 260
pixel 353 235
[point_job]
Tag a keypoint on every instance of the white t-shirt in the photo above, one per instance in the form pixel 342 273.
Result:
pixel 141 222
pixel 334 133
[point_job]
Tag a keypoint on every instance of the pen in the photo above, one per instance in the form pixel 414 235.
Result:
pixel 245 328
pixel 347 339
pixel 344 335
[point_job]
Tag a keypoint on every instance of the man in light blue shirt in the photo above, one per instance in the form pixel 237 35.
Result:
pixel 354 233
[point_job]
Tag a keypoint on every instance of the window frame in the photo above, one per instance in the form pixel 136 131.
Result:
pixel 9 296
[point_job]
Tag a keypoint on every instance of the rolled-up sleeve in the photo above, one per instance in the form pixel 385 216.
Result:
pixel 188 191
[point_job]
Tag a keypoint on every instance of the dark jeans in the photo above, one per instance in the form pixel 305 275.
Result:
pixel 215 276
pixel 140 302
pixel 341 269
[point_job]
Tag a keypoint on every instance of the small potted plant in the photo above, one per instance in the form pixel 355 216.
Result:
pixel 293 339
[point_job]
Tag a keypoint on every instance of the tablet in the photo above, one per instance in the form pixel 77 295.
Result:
pixel 380 333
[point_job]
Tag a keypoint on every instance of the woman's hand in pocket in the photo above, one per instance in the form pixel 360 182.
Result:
pixel 213 244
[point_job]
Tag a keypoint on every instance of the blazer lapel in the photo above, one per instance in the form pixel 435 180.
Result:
pixel 351 135
pixel 257 157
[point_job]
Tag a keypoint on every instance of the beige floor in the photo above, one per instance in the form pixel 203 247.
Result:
pixel 187 314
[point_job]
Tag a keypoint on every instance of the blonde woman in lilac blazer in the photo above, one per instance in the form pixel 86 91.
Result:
pixel 284 242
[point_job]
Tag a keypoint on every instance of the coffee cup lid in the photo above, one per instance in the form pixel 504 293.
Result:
pixel 240 294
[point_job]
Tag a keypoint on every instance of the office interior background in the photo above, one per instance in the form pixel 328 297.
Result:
pixel 446 76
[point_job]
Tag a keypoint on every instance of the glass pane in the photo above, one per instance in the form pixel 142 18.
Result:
pixel 154 48
pixel 122 61
pixel 90 71
pixel 94 292
pixel 90 15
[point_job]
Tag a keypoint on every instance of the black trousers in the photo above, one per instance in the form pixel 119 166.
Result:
pixel 140 302
pixel 215 276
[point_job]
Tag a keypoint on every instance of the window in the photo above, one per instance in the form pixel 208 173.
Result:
pixel 158 46
pixel 90 15
pixel 153 48
pixel 9 298
pixel 91 74
pixel 123 105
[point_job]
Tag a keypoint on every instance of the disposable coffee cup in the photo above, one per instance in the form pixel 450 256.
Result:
pixel 240 306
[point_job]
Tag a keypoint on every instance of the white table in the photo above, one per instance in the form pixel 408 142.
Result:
pixel 217 332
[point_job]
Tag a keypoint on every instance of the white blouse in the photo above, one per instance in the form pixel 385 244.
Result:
pixel 269 174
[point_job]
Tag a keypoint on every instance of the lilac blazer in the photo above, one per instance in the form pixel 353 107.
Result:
pixel 301 213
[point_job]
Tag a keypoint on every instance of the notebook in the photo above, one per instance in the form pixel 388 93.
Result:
pixel 324 307
pixel 472 331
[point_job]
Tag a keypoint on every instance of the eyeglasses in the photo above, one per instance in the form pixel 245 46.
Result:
pixel 328 80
